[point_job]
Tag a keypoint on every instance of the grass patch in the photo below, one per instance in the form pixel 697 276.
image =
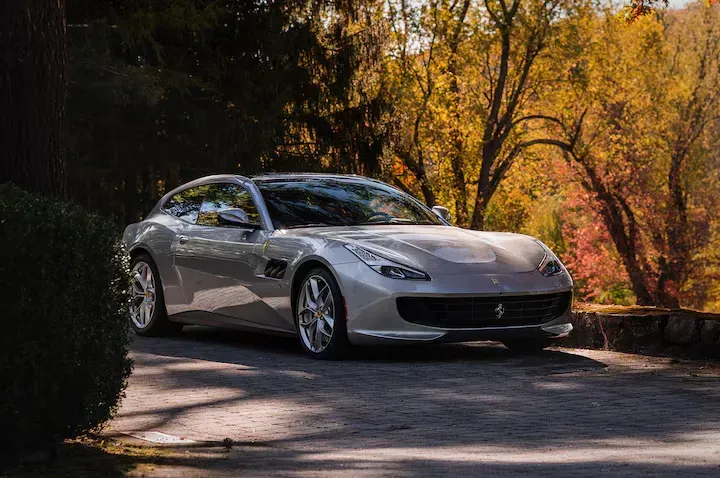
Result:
pixel 90 457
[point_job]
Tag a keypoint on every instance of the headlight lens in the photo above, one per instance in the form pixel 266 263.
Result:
pixel 550 265
pixel 384 266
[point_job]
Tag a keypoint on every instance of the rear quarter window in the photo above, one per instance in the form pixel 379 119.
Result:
pixel 185 205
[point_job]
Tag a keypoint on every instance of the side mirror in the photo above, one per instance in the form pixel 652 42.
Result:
pixel 233 217
pixel 442 211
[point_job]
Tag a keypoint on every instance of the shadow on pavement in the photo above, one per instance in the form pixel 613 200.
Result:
pixel 247 342
pixel 440 409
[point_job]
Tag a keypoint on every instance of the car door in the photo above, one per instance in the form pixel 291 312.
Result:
pixel 219 259
pixel 182 210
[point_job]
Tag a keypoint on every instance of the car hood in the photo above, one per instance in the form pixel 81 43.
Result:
pixel 443 250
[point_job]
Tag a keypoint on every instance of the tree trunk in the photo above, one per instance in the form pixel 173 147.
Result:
pixel 673 270
pixel 428 193
pixel 623 235
pixel 478 218
pixel 32 95
pixel 456 134
pixel 489 155
pixel 458 145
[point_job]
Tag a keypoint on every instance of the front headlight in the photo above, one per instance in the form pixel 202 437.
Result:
pixel 384 266
pixel 550 265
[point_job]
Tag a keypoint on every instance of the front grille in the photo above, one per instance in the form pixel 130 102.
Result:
pixel 470 312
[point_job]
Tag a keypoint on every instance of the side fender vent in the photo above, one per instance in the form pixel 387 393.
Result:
pixel 275 269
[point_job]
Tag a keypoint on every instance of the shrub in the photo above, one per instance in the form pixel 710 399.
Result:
pixel 65 338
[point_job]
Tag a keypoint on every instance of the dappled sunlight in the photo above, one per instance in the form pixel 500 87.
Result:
pixel 557 386
pixel 617 451
pixel 453 409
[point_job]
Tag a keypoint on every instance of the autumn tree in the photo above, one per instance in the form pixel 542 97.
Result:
pixel 637 105
pixel 520 32
pixel 32 95
pixel 471 76
pixel 417 58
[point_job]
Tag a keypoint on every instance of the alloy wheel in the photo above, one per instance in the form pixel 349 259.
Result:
pixel 144 298
pixel 316 313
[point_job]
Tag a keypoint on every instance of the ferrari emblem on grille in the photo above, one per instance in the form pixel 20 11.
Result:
pixel 495 281
pixel 499 311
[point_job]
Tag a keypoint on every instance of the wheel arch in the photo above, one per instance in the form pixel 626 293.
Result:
pixel 301 271
pixel 139 249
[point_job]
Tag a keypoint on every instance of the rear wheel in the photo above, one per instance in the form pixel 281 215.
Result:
pixel 526 346
pixel 148 316
pixel 320 316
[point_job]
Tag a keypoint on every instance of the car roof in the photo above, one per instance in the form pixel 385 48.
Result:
pixel 303 176
pixel 260 178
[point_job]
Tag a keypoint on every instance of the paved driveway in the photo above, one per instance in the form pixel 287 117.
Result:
pixel 460 409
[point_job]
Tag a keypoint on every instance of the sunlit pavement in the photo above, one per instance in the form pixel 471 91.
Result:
pixel 453 409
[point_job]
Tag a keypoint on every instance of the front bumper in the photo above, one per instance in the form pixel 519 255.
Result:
pixel 373 317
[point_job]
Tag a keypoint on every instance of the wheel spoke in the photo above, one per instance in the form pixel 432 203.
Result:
pixel 308 323
pixel 138 282
pixel 317 337
pixel 314 289
pixel 329 320
pixel 305 311
pixel 322 300
pixel 309 302
pixel 148 277
pixel 141 277
pixel 323 328
pixel 327 305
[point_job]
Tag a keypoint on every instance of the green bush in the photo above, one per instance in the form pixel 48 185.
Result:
pixel 64 339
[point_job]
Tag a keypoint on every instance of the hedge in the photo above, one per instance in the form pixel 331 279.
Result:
pixel 65 337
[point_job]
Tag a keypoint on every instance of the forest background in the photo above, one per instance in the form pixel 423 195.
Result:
pixel 592 126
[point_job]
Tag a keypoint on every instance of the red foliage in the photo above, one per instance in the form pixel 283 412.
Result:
pixel 591 257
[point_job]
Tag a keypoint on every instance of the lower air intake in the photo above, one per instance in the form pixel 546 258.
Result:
pixel 495 311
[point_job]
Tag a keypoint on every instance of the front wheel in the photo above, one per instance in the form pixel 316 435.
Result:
pixel 526 346
pixel 320 316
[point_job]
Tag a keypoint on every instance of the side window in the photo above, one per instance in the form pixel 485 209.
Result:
pixel 226 196
pixel 185 205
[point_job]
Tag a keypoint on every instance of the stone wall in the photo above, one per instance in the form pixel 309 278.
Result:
pixel 681 334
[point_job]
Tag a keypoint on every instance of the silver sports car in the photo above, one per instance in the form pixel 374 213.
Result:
pixel 338 260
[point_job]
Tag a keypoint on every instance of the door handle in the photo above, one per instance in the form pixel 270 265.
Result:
pixel 183 239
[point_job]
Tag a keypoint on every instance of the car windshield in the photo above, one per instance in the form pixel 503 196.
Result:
pixel 340 202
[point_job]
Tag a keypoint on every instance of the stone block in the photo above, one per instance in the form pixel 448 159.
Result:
pixel 710 332
pixel 681 331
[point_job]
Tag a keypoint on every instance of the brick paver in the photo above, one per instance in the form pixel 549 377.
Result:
pixel 452 409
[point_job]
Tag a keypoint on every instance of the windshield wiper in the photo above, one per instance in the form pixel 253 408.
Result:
pixel 314 224
pixel 393 220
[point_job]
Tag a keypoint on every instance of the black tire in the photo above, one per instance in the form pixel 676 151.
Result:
pixel 526 346
pixel 159 323
pixel 339 345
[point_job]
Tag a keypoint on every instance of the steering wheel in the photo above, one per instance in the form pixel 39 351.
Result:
pixel 378 215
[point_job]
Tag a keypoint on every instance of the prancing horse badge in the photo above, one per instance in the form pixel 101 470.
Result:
pixel 495 281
